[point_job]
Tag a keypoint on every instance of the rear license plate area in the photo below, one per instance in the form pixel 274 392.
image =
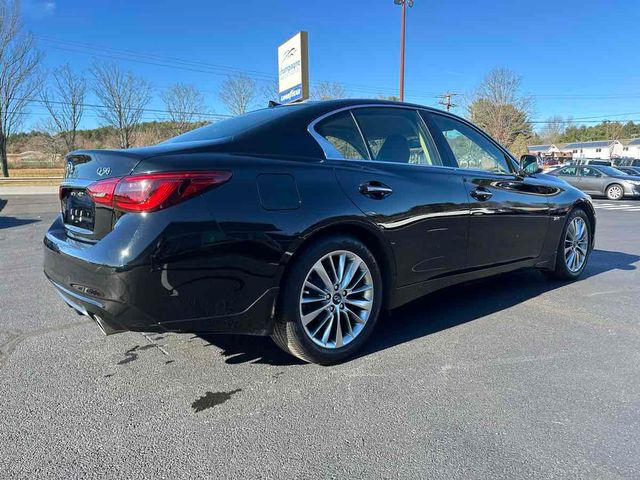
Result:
pixel 78 210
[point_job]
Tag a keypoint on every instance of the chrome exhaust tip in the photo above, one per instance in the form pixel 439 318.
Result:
pixel 106 328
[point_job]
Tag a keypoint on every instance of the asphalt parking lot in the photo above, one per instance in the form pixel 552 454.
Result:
pixel 512 377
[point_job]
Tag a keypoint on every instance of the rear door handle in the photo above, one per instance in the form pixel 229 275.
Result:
pixel 376 190
pixel 481 194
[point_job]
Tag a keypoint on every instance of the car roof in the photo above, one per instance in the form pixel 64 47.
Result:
pixel 286 135
pixel 320 107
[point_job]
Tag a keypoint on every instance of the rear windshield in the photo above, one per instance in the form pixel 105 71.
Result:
pixel 610 171
pixel 234 125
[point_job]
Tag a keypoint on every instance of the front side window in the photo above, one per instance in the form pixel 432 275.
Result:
pixel 397 135
pixel 342 133
pixel 470 148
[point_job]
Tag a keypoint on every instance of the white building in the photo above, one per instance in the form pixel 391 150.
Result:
pixel 603 149
pixel 629 148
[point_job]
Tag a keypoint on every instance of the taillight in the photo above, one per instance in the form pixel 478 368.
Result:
pixel 102 191
pixel 153 191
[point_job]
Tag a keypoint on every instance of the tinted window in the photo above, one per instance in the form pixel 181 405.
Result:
pixel 341 131
pixel 397 135
pixel 233 126
pixel 610 171
pixel 470 148
pixel 590 172
pixel 568 171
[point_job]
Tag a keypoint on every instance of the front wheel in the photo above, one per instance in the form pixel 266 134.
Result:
pixel 330 301
pixel 614 192
pixel 574 247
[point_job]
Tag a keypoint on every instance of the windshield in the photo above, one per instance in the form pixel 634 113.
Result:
pixel 611 171
pixel 233 126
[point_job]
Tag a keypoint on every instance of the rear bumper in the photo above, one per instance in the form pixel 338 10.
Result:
pixel 145 295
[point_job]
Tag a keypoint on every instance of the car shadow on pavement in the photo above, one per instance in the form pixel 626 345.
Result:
pixel 9 222
pixel 433 313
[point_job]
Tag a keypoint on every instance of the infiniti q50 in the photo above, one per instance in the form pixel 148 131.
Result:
pixel 303 222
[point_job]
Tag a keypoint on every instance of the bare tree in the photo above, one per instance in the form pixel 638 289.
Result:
pixel 237 92
pixel 328 91
pixel 123 98
pixel 184 104
pixel 499 106
pixel 65 103
pixel 270 91
pixel 553 129
pixel 19 78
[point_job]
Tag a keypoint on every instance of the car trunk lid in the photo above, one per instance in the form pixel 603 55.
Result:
pixel 83 219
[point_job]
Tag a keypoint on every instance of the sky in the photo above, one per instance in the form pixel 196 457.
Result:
pixel 576 58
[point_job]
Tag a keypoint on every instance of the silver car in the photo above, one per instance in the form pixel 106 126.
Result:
pixel 600 180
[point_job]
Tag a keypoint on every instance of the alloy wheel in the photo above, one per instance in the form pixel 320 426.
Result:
pixel 336 299
pixel 576 244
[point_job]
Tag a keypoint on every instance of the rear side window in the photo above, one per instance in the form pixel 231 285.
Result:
pixel 342 133
pixel 590 172
pixel 397 135
pixel 568 172
pixel 470 148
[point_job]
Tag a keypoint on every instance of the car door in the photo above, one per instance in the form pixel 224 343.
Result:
pixel 590 180
pixel 387 164
pixel 509 213
pixel 570 175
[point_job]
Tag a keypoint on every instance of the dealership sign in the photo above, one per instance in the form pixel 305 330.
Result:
pixel 293 69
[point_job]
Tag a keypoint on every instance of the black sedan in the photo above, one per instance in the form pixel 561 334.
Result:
pixel 304 222
pixel 600 180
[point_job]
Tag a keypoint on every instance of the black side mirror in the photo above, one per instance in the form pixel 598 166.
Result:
pixel 529 165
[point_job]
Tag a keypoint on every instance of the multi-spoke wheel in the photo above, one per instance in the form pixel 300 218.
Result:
pixel 575 246
pixel 336 299
pixel 330 301
pixel 614 192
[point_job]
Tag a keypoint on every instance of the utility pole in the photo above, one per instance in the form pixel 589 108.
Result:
pixel 445 100
pixel 403 16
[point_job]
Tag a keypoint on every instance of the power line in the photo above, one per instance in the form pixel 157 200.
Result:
pixel 445 100
pixel 189 65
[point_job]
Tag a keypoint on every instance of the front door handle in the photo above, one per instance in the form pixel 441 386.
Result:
pixel 481 194
pixel 375 190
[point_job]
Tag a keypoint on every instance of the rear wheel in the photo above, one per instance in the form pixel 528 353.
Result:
pixel 614 192
pixel 574 247
pixel 330 301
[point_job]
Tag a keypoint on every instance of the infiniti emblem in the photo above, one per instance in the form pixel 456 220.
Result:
pixel 103 171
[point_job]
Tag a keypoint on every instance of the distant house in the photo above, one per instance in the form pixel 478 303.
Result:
pixel 595 149
pixel 629 147
pixel 551 151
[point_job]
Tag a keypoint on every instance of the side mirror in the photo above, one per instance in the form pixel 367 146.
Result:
pixel 529 165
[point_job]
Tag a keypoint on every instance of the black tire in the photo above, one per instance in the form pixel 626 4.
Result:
pixel 289 332
pixel 561 270
pixel 614 188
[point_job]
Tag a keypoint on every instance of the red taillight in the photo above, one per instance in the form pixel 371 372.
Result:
pixel 154 191
pixel 102 191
